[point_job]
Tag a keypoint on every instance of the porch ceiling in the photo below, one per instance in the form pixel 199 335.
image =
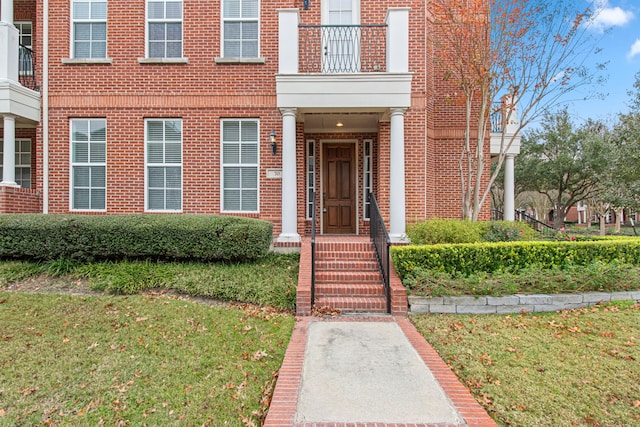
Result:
pixel 351 122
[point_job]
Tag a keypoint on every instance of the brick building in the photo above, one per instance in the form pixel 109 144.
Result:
pixel 240 107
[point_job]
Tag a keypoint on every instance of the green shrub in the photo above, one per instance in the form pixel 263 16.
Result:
pixel 466 259
pixel 113 237
pixel 435 231
pixel 508 231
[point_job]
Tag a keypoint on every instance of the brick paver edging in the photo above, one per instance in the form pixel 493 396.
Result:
pixel 284 403
pixel 514 303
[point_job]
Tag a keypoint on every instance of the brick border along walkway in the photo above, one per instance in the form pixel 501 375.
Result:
pixel 282 412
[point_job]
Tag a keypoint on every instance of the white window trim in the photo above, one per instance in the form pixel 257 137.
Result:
pixel 239 59
pixel 222 166
pixel 365 172
pixel 18 25
pixel 146 168
pixel 18 165
pixel 163 60
pixel 72 164
pixel 355 9
pixel 309 159
pixel 72 59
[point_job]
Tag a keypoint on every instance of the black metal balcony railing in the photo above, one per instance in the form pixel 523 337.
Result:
pixel 496 121
pixel 27 68
pixel 342 48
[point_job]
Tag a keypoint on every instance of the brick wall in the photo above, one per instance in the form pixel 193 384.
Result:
pixel 202 92
pixel 20 200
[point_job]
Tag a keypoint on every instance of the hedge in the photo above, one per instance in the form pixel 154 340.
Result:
pixel 115 237
pixel 471 258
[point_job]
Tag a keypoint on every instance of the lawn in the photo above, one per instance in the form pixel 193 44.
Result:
pixel 136 360
pixel 573 368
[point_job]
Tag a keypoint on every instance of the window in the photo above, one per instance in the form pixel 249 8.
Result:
pixel 25 33
pixel 164 32
pixel 23 162
pixel 88 164
pixel 240 28
pixel 163 159
pixel 240 165
pixel 367 183
pixel 89 29
pixel 311 176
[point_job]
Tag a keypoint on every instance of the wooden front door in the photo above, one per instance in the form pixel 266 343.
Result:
pixel 338 196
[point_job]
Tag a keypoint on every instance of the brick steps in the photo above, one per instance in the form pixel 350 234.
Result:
pixel 347 276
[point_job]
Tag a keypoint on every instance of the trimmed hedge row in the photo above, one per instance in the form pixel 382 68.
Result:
pixel 115 237
pixel 439 231
pixel 473 258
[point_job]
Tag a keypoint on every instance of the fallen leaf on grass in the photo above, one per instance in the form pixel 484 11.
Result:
pixel 2 412
pixel 92 346
pixel 259 355
pixel 636 404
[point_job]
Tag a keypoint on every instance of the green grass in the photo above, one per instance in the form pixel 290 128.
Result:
pixel 574 368
pixel 597 277
pixel 136 360
pixel 270 281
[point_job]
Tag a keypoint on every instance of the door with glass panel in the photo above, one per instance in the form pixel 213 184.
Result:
pixel 340 36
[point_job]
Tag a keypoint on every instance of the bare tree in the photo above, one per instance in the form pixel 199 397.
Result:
pixel 528 53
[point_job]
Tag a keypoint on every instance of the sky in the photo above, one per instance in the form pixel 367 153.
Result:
pixel 616 26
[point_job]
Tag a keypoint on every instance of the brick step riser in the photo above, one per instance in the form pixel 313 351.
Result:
pixel 343 265
pixel 354 304
pixel 345 290
pixel 348 277
pixel 344 247
pixel 346 256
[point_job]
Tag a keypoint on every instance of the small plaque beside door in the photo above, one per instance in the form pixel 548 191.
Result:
pixel 274 173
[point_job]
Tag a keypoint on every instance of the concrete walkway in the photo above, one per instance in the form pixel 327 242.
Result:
pixel 367 371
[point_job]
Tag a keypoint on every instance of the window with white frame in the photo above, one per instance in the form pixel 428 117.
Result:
pixel 89 29
pixel 367 182
pixel 240 28
pixel 311 176
pixel 164 28
pixel 240 154
pixel 163 158
pixel 88 164
pixel 25 33
pixel 23 162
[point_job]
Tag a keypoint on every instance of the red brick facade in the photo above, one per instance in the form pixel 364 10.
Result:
pixel 201 92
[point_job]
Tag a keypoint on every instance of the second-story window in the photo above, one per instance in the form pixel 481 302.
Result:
pixel 89 29
pixel 164 31
pixel 240 28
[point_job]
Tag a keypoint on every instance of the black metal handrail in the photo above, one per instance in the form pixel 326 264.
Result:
pixel 27 67
pixel 381 243
pixel 342 48
pixel 313 247
pixel 539 226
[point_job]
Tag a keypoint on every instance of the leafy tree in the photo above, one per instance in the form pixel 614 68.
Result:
pixel 528 53
pixel 565 164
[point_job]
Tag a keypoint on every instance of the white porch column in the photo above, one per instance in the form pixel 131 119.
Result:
pixel 9 152
pixel 509 203
pixel 289 185
pixel 397 199
pixel 6 11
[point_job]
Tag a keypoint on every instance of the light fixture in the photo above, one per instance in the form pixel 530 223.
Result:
pixel 272 141
pixel 305 4
pixel 339 124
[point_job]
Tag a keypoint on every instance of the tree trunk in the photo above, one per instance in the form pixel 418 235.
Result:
pixel 587 216
pixel 619 219
pixel 558 219
pixel 603 223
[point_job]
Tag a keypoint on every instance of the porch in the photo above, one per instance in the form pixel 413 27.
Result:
pixel 341 88
pixel 20 112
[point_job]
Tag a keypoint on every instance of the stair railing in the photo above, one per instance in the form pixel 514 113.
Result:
pixel 313 247
pixel 539 226
pixel 381 242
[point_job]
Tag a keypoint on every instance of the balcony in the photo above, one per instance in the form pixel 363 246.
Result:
pixel 18 90
pixel 344 67
pixel 504 117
